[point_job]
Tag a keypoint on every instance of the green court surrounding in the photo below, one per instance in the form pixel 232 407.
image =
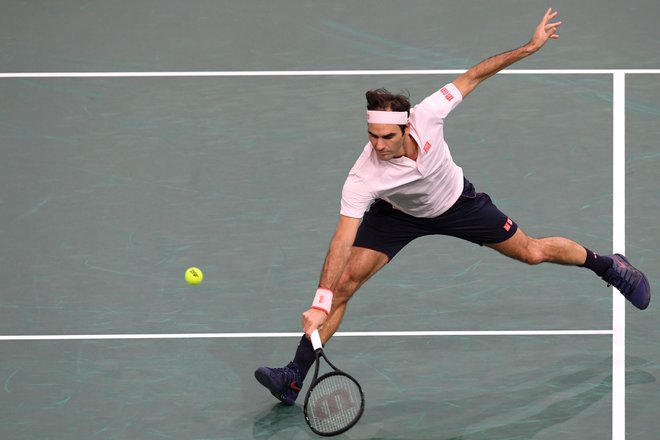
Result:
pixel 111 186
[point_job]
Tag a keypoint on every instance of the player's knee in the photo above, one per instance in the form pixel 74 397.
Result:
pixel 343 293
pixel 533 259
pixel 533 254
pixel 345 289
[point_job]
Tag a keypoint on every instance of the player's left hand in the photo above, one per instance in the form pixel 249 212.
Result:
pixel 545 30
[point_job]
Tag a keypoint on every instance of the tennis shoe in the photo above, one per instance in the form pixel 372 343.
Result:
pixel 283 383
pixel 631 282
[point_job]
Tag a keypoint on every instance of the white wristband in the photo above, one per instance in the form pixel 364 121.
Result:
pixel 322 300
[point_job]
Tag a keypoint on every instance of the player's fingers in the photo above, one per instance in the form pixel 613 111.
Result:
pixel 550 31
pixel 549 15
pixel 553 34
pixel 308 327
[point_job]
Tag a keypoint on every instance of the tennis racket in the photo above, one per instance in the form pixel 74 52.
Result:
pixel 334 401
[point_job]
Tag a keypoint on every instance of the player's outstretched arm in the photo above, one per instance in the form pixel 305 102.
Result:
pixel 333 267
pixel 489 67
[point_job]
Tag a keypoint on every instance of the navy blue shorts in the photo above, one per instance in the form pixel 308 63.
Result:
pixel 474 217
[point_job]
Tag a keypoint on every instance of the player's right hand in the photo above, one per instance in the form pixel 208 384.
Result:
pixel 312 319
pixel 545 30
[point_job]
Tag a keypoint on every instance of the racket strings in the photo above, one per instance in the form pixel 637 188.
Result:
pixel 335 403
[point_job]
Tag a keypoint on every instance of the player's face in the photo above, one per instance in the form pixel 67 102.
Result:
pixel 386 140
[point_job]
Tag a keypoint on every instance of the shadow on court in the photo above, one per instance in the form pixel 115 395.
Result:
pixel 513 415
pixel 279 418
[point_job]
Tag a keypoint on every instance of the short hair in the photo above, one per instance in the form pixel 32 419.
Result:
pixel 384 100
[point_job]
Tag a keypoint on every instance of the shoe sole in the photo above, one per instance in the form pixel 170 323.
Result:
pixel 647 300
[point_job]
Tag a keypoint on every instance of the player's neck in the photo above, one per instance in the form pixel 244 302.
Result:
pixel 410 148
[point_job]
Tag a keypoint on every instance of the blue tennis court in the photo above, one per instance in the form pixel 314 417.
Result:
pixel 141 138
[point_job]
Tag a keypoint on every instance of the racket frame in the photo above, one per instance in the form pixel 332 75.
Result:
pixel 318 348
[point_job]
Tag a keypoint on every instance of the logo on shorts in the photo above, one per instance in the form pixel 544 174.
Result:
pixel 427 147
pixel 448 96
pixel 508 224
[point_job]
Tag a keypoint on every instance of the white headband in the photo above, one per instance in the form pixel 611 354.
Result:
pixel 380 117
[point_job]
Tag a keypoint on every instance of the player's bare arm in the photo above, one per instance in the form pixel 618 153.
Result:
pixel 489 67
pixel 333 267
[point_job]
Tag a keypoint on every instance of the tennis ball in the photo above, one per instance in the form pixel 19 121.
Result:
pixel 194 275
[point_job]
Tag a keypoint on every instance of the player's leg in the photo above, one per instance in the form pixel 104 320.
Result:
pixel 614 269
pixel 362 265
pixel 285 383
pixel 474 217
pixel 540 250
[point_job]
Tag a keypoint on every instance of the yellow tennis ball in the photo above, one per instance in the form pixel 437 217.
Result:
pixel 194 275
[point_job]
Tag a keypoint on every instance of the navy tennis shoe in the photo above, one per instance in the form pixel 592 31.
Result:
pixel 283 383
pixel 631 282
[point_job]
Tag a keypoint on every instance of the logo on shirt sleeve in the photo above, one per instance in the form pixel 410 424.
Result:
pixel 447 94
pixel 427 147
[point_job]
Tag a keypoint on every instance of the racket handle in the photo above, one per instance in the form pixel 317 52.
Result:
pixel 316 340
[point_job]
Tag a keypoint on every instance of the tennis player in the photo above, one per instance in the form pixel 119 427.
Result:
pixel 405 185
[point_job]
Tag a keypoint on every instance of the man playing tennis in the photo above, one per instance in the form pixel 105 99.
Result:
pixel 405 185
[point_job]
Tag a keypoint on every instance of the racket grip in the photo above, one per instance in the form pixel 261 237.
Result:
pixel 316 340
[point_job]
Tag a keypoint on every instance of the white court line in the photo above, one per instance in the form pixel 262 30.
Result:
pixel 271 73
pixel 619 246
pixel 298 334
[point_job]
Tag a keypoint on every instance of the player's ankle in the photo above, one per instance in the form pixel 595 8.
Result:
pixel 597 263
pixel 305 356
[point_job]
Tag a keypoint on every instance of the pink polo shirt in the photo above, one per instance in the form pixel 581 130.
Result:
pixel 423 188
